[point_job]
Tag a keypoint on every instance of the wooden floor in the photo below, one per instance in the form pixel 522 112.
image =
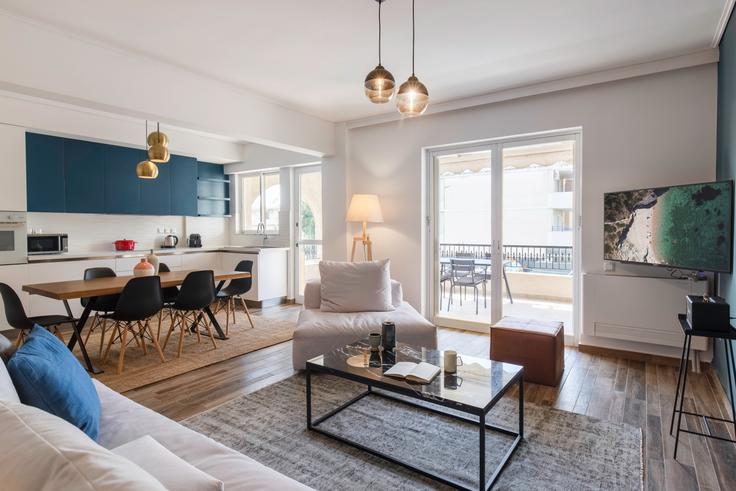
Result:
pixel 633 392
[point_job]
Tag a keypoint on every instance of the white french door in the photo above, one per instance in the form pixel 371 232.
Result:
pixel 502 229
pixel 307 211
pixel 465 183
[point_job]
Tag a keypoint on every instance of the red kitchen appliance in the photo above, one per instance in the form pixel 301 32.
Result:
pixel 124 245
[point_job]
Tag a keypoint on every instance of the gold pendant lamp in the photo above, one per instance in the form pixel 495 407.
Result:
pixel 412 98
pixel 146 169
pixel 158 144
pixel 379 83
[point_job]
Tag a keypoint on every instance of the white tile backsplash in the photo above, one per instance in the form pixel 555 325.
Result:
pixel 214 231
pixel 97 232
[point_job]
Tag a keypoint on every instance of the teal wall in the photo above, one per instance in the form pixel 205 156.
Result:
pixel 726 161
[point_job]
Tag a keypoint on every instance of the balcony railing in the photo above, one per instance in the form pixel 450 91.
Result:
pixel 543 259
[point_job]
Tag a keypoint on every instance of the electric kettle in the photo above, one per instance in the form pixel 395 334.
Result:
pixel 170 241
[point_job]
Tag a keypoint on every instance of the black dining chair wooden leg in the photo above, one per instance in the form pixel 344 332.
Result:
pixel 247 312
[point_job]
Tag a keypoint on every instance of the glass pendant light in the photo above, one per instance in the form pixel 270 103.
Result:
pixel 158 146
pixel 412 98
pixel 145 168
pixel 379 83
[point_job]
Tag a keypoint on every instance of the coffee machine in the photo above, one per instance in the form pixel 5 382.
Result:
pixel 195 240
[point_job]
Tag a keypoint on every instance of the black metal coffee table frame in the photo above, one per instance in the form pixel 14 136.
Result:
pixel 481 414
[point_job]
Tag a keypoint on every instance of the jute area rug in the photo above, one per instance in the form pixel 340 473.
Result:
pixel 146 369
pixel 561 450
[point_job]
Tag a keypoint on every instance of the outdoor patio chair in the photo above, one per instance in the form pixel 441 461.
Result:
pixel 487 274
pixel 464 275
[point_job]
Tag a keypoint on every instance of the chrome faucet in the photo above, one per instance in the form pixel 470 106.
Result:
pixel 261 230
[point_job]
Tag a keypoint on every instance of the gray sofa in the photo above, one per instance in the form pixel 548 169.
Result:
pixel 319 332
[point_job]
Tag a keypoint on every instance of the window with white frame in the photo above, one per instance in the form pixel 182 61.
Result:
pixel 260 202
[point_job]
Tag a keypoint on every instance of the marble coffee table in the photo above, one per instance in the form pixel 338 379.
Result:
pixel 471 393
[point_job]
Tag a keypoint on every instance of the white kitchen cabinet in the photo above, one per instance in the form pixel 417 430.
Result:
pixel 270 275
pixel 124 265
pixel 13 165
pixel 201 260
pixel 59 271
pixel 173 261
pixel 15 275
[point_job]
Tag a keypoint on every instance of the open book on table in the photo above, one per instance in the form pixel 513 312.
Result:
pixel 422 373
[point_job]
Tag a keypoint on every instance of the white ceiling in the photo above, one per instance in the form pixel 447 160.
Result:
pixel 314 55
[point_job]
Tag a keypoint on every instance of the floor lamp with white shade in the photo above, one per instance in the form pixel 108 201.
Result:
pixel 364 208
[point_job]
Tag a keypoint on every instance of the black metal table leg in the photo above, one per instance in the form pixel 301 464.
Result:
pixel 482 452
pixel 309 398
pixel 682 396
pixel 211 315
pixel 78 328
pixel 521 407
pixel 679 381
pixel 215 324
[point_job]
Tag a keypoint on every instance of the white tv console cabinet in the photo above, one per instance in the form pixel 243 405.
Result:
pixel 638 308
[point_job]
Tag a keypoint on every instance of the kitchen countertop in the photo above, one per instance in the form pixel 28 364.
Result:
pixel 88 255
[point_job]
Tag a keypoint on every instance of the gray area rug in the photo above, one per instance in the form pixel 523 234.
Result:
pixel 561 450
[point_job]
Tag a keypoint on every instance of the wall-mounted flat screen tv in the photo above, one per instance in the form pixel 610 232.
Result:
pixel 683 227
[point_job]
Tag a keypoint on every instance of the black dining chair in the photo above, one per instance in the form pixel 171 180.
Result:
pixel 232 293
pixel 103 305
pixel 139 301
pixel 197 292
pixel 465 275
pixel 170 293
pixel 17 318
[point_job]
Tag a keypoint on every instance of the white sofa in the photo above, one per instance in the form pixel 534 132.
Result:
pixel 319 332
pixel 124 421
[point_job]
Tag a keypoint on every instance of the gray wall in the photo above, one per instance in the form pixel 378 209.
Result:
pixel 726 161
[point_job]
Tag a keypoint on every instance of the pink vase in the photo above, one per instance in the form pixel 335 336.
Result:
pixel 144 268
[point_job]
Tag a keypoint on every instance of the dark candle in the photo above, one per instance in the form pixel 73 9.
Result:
pixel 388 335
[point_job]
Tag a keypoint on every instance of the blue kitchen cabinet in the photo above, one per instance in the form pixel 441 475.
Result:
pixel 45 173
pixel 183 185
pixel 84 176
pixel 122 187
pixel 213 190
pixel 76 176
pixel 156 193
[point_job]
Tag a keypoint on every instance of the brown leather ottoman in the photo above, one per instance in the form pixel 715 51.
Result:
pixel 539 346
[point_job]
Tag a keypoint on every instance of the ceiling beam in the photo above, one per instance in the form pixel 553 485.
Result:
pixel 42 61
pixel 703 57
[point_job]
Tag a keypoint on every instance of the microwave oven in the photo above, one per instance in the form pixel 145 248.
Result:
pixel 47 243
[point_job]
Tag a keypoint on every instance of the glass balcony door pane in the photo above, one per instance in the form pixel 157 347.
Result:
pixel 464 204
pixel 538 230
pixel 308 226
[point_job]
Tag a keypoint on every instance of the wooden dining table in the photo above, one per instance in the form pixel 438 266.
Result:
pixel 92 289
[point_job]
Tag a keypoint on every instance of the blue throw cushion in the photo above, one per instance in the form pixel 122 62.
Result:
pixel 48 376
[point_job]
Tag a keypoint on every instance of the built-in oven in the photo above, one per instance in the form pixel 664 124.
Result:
pixel 13 245
pixel 48 243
